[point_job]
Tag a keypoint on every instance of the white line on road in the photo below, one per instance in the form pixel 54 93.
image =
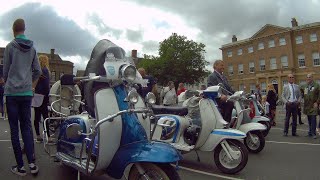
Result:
pixel 209 174
pixel 309 144
pixel 282 129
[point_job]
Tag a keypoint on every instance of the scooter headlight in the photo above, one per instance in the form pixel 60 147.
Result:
pixel 129 72
pixel 150 98
pixel 133 96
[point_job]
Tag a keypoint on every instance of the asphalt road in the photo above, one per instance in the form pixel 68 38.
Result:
pixel 283 158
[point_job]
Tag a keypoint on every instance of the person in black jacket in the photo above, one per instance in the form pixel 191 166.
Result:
pixel 272 98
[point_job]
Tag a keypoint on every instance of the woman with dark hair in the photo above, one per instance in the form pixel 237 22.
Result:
pixel 272 98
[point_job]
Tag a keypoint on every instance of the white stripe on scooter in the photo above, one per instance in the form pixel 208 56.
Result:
pixel 291 143
pixel 208 174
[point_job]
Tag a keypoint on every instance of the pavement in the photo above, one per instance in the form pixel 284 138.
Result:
pixel 282 158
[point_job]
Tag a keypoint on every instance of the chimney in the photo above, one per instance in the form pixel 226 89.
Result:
pixel 294 22
pixel 234 38
pixel 52 55
pixel 134 53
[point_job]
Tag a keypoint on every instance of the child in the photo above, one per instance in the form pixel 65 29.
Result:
pixel 265 106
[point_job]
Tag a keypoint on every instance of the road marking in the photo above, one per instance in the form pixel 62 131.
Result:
pixel 291 143
pixel 209 174
pixel 282 129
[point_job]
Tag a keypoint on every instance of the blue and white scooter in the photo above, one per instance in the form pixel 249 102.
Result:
pixel 109 138
pixel 199 126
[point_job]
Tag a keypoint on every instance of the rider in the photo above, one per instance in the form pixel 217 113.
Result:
pixel 214 79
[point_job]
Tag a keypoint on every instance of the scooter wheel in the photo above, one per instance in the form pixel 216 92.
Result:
pixel 251 146
pixel 227 165
pixel 154 171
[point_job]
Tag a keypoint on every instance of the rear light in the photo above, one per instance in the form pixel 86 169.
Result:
pixel 253 110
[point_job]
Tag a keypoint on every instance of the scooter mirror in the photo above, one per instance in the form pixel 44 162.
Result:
pixel 73 130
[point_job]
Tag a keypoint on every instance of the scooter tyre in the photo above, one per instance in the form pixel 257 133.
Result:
pixel 268 125
pixel 261 139
pixel 166 171
pixel 244 154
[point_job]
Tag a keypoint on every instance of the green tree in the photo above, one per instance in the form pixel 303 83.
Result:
pixel 180 60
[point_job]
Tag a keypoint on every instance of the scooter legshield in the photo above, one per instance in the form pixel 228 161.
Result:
pixel 143 151
pixel 252 127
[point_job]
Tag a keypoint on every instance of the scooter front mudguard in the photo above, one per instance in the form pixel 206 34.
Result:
pixel 252 127
pixel 218 135
pixel 153 152
pixel 258 119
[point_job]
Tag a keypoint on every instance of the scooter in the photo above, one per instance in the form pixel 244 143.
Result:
pixel 255 140
pixel 112 139
pixel 200 127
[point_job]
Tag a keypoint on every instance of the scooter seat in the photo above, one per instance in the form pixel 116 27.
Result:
pixel 181 111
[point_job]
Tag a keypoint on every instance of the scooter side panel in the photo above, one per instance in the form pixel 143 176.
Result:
pixel 154 152
pixel 109 132
pixel 217 135
pixel 251 127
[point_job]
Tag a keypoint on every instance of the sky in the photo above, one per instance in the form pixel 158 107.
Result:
pixel 73 28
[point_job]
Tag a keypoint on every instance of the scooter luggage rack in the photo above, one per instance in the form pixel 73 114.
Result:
pixel 45 135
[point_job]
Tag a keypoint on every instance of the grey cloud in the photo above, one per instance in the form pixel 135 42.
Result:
pixel 48 30
pixel 150 46
pixel 134 36
pixel 95 20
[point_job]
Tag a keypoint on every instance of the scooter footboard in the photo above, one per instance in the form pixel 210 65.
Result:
pixel 153 152
pixel 217 135
pixel 252 127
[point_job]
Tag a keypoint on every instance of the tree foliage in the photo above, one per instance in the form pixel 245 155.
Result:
pixel 180 60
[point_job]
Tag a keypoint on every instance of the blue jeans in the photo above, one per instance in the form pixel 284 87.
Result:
pixel 19 110
pixel 312 120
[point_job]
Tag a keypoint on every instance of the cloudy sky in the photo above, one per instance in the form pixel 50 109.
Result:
pixel 74 27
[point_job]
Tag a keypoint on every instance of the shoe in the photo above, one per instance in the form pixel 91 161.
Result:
pixel 18 171
pixel 314 137
pixel 295 135
pixel 33 168
pixel 285 134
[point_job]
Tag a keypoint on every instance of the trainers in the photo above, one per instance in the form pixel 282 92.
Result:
pixel 33 168
pixel 18 171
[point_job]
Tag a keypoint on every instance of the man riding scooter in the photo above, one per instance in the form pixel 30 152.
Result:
pixel 216 78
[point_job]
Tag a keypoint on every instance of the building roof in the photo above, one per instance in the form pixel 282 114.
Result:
pixel 280 29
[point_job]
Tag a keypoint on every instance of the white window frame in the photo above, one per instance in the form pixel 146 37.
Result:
pixel 251 67
pixel 260 45
pixel 316 58
pixel 273 63
pixel 301 61
pixel 229 53
pixel 240 68
pixel 230 70
pixel 262 64
pixel 299 40
pixel 282 41
pixel 252 88
pixel 250 49
pixel 239 51
pixel 313 37
pixel 271 43
pixel 263 88
pixel 284 62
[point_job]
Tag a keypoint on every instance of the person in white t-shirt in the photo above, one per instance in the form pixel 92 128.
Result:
pixel 169 94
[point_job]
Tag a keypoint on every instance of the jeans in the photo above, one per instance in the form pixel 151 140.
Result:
pixel 19 110
pixel 312 120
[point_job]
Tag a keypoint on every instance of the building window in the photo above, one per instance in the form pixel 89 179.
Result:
pixel 241 87
pixel 1 60
pixel 250 49
pixel 271 43
pixel 301 60
pixel 282 42
pixel 284 62
pixel 240 68
pixel 251 67
pixel 299 40
pixel 53 76
pixel 252 88
pixel 229 53
pixel 260 46
pixel 262 65
pixel 264 88
pixel 239 51
pixel 316 59
pixel 273 63
pixel 230 70
pixel 313 37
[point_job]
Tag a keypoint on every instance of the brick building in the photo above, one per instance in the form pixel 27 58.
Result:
pixel 271 54
pixel 57 65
